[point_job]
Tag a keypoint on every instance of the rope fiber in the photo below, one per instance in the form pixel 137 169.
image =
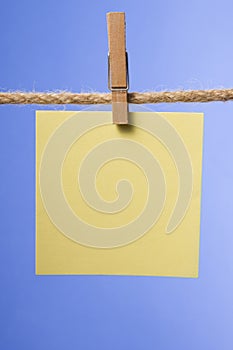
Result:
pixel 46 98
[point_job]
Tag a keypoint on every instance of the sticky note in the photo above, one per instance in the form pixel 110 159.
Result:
pixel 118 200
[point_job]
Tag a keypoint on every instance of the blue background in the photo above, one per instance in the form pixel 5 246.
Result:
pixel 49 45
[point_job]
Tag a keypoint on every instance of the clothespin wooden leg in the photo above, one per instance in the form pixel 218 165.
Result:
pixel 118 66
pixel 119 107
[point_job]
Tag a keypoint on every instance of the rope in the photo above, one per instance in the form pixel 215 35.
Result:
pixel 43 98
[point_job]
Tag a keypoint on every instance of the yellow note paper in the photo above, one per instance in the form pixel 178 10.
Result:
pixel 118 200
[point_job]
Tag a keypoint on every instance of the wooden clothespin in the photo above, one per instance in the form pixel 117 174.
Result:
pixel 118 66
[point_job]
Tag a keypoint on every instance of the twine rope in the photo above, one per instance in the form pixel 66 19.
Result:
pixel 46 98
